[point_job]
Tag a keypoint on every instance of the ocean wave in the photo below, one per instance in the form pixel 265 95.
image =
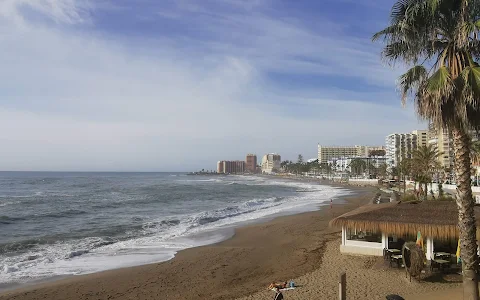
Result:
pixel 10 220
pixel 9 203
pixel 62 214
pixel 76 253
pixel 142 233
pixel 161 224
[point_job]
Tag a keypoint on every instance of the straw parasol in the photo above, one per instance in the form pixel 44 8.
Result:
pixel 436 219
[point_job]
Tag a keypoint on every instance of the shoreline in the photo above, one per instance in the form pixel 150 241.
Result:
pixel 208 236
pixel 184 257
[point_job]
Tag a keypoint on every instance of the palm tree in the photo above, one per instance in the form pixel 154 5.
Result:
pixel 438 40
pixel 476 152
pixel 425 161
pixel 357 166
pixel 476 158
pixel 405 167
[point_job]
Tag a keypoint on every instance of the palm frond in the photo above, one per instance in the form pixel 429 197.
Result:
pixel 398 10
pixel 433 4
pixel 471 28
pixel 390 30
pixel 411 81
pixel 471 85
pixel 396 50
pixel 440 82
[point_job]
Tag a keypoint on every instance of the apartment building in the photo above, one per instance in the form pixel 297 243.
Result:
pixel 422 137
pixel 327 153
pixel 399 146
pixel 231 167
pixel 443 141
pixel 402 145
pixel 251 163
pixel 220 167
pixel 271 163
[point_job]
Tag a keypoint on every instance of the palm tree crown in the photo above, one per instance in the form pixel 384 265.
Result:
pixel 425 160
pixel 444 78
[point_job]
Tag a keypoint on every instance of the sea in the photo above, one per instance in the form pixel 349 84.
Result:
pixel 60 224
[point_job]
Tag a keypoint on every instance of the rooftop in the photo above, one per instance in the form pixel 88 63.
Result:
pixel 432 218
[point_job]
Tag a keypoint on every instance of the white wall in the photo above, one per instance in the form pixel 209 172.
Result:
pixel 363 181
pixel 446 187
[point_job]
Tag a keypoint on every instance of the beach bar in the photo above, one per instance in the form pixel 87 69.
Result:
pixel 374 228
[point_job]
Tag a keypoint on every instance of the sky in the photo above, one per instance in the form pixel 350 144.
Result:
pixel 148 85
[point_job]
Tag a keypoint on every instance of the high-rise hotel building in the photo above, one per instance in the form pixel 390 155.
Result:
pixel 251 163
pixel 231 167
pixel 327 153
pixel 271 163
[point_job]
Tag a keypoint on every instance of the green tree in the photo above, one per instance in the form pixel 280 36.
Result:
pixel 358 166
pixel 325 168
pixel 300 159
pixel 438 40
pixel 476 152
pixel 382 170
pixel 405 169
pixel 425 161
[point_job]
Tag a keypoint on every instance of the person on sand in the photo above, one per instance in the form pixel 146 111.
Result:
pixel 278 294
pixel 274 285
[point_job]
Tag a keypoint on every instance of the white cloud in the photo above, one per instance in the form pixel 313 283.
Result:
pixel 59 11
pixel 76 101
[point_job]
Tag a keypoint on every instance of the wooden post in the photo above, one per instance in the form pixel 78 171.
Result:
pixel 342 287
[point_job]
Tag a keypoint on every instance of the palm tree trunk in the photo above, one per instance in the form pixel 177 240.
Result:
pixel 466 215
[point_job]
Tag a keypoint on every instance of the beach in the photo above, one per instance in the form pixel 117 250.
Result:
pixel 301 247
pixel 281 249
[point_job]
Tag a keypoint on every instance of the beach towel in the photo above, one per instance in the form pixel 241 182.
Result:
pixel 284 289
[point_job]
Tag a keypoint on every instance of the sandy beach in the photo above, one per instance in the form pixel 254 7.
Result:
pixel 300 247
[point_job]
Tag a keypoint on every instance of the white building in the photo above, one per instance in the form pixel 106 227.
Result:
pixel 399 146
pixel 343 164
pixel 271 163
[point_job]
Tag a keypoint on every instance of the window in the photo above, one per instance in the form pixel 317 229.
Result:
pixel 364 236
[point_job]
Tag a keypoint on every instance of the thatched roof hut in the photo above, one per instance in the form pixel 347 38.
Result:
pixel 437 219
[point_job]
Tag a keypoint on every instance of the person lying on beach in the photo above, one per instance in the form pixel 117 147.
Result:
pixel 278 294
pixel 277 285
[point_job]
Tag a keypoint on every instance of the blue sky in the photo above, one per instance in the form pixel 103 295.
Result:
pixel 167 85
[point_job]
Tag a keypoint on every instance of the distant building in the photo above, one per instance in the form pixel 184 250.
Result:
pixel 400 146
pixel 231 167
pixel 271 163
pixel 251 163
pixel 220 167
pixel 442 140
pixel 343 164
pixel 422 137
pixel 326 153
pixel 363 151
